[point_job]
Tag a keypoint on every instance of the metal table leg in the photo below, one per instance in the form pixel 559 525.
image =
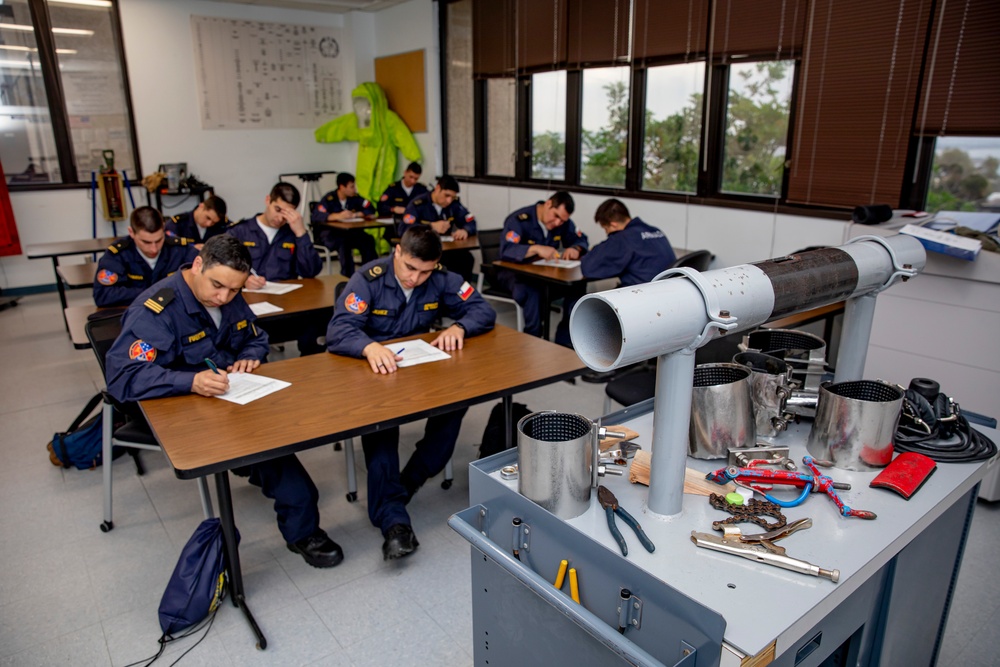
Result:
pixel 508 410
pixel 225 499
pixel 61 289
pixel 546 308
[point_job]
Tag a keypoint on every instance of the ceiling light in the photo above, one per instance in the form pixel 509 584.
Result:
pixel 11 47
pixel 58 31
pixel 84 3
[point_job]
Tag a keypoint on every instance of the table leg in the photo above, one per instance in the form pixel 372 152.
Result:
pixel 546 308
pixel 225 499
pixel 61 289
pixel 508 413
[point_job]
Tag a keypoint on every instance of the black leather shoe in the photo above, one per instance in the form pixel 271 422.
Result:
pixel 318 550
pixel 399 541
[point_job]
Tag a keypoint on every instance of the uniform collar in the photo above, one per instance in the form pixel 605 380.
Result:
pixel 191 304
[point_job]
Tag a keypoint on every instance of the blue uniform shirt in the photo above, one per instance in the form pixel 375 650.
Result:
pixel 421 209
pixel 183 226
pixel 636 254
pixel 284 258
pixel 330 203
pixel 122 273
pixel 167 335
pixel 374 308
pixel 521 230
pixel 395 195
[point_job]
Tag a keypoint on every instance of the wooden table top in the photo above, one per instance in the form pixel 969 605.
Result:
pixel 470 243
pixel 77 275
pixel 798 319
pixel 359 224
pixel 333 397
pixel 76 320
pixel 315 294
pixel 60 248
pixel 552 274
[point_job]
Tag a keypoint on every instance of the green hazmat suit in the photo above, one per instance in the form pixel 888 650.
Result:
pixel 379 132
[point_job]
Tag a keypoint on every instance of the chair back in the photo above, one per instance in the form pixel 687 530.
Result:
pixel 102 332
pixel 338 291
pixel 699 260
pixel 489 246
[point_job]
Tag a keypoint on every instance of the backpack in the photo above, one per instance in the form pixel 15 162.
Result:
pixel 494 437
pixel 198 585
pixel 81 444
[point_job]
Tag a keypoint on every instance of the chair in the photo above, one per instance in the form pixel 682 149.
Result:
pixel 699 260
pixel 348 444
pixel 489 245
pixel 134 434
pixel 322 249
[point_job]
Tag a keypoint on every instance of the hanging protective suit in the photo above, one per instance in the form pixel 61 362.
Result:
pixel 379 132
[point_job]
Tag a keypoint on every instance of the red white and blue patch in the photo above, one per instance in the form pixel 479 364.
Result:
pixel 142 351
pixel 465 291
pixel 355 304
pixel 365 204
pixel 470 218
pixel 321 208
pixel 106 277
pixel 384 198
pixel 409 218
pixel 513 236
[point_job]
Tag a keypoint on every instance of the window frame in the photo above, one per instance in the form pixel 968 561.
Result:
pixel 58 115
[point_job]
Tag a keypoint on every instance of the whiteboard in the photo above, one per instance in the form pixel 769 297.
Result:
pixel 260 75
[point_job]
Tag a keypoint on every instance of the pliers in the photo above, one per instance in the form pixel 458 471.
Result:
pixel 610 505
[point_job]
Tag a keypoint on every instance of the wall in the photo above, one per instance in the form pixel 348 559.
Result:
pixel 242 165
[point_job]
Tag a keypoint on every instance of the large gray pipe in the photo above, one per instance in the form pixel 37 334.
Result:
pixel 668 316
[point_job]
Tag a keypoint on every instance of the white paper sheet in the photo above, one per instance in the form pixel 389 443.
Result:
pixel 560 263
pixel 417 351
pixel 447 239
pixel 265 308
pixel 275 288
pixel 246 387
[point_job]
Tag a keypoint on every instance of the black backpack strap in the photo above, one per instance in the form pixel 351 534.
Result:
pixel 91 404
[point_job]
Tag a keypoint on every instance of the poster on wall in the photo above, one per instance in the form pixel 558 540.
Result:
pixel 261 75
pixel 10 244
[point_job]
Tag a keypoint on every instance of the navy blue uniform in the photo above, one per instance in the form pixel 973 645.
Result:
pixel 344 241
pixel 166 336
pixel 422 210
pixel 395 195
pixel 284 258
pixel 521 230
pixel 183 226
pixel 374 308
pixel 636 255
pixel 122 273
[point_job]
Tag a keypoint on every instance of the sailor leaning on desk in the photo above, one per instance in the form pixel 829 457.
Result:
pixel 402 295
pixel 167 334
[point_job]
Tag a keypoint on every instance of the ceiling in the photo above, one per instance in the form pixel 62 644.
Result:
pixel 332 6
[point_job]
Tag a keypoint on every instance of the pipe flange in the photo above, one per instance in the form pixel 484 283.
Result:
pixel 716 318
pixel 904 271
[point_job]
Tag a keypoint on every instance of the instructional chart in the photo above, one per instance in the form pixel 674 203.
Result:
pixel 255 74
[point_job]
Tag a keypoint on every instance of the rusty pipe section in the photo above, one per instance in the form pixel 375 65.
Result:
pixel 684 309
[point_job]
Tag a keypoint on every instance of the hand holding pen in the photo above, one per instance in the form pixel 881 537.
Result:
pixel 212 382
pixel 255 280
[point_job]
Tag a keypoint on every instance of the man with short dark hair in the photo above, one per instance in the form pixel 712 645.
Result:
pixel 398 296
pixel 442 211
pixel 131 265
pixel 535 232
pixel 206 220
pixel 635 252
pixel 345 204
pixel 167 334
pixel 398 195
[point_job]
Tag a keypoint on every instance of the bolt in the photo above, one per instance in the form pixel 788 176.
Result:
pixel 525 546
pixel 635 605
pixel 635 622
pixel 526 530
pixel 482 512
pixel 723 313
pixel 907 266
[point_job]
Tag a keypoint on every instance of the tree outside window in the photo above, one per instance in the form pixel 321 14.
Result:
pixel 548 125
pixel 672 137
pixel 604 127
pixel 964 175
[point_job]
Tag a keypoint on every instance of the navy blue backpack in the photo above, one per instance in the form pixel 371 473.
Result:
pixel 80 444
pixel 198 585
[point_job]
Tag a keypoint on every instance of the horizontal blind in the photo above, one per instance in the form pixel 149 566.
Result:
pixel 598 32
pixel 670 28
pixel 856 95
pixel 493 38
pixel 764 28
pixel 541 35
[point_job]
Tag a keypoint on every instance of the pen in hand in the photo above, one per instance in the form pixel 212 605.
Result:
pixel 399 352
pixel 211 364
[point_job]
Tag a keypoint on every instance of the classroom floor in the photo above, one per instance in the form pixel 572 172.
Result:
pixel 72 595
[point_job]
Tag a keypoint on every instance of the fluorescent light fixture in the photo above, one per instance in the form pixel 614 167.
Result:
pixel 58 31
pixel 84 3
pixel 14 64
pixel 11 47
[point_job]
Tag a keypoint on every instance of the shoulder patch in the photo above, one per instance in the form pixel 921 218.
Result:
pixel 513 237
pixel 159 301
pixel 142 351
pixel 465 291
pixel 523 216
pixel 106 277
pixel 355 304
pixel 375 272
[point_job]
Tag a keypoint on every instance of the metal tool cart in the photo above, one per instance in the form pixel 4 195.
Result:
pixel 684 605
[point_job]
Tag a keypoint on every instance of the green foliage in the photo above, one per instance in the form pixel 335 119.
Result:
pixel 670 150
pixel 605 152
pixel 957 184
pixel 548 155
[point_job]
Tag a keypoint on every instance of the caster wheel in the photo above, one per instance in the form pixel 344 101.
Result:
pixel 446 484
pixel 338 446
pixel 352 497
pixel 107 526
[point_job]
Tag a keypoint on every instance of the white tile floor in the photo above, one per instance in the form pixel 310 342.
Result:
pixel 71 595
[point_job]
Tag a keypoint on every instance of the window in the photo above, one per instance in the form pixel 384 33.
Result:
pixel 501 126
pixel 460 107
pixel 757 110
pixel 964 175
pixel 604 126
pixel 672 136
pixel 548 125
pixel 63 91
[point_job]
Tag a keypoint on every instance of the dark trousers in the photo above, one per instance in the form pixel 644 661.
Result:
pixel 344 242
pixel 529 296
pixel 306 331
pixel 389 489
pixel 295 497
pixel 460 262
